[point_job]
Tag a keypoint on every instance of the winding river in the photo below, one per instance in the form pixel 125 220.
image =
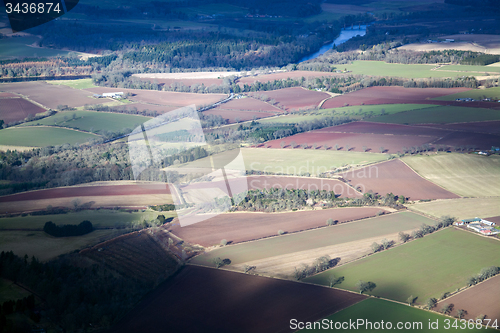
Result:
pixel 344 36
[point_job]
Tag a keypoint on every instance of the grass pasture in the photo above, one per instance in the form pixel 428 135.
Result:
pixel 440 114
pixel 375 310
pixel 356 111
pixel 45 247
pixel 313 239
pixel 380 68
pixel 77 84
pixel 18 47
pixel 294 161
pixel 42 136
pixel 427 267
pixel 475 94
pixel 91 121
pixel 461 208
pixel 463 174
pixel 103 218
pixel 468 68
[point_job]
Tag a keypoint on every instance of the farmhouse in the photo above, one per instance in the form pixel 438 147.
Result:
pixel 113 94
pixel 482 226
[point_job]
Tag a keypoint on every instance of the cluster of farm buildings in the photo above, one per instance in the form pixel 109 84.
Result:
pixel 480 225
pixel 115 95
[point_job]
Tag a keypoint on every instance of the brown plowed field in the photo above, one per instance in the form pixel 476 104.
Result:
pixel 285 75
pixel 137 255
pixel 356 141
pixel 137 195
pixel 295 98
pixel 51 95
pixel 202 299
pixel 103 201
pixel 393 136
pixel 85 191
pixel 161 109
pixel 495 219
pixel 248 104
pixel 479 140
pixel 15 109
pixel 393 95
pixel 241 227
pixel 482 299
pixel 231 115
pixel 488 127
pixel 381 128
pixel 164 97
pixel 396 177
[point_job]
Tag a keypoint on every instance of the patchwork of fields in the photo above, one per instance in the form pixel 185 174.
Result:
pixel 246 226
pixel 110 195
pixel 225 300
pixel 408 318
pixel 280 255
pixel 291 162
pixel 422 268
pixel 395 177
pixel 390 120
pixel 481 299
pixel 465 175
pixel 13 108
pixel 391 95
pixel 464 208
pixel 91 121
pixel 380 68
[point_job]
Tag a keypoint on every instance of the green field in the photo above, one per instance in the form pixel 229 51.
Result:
pixel 45 247
pixel 380 68
pixel 376 310
pixel 42 136
pixel 91 121
pixel 465 175
pixel 469 68
pixel 427 267
pixel 308 240
pixel 103 218
pixel 77 84
pixel 358 112
pixel 440 115
pixel 18 48
pixel 291 161
pixel 10 291
pixel 460 208
pixel 475 94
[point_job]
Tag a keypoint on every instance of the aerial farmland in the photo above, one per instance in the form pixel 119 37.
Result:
pixel 259 166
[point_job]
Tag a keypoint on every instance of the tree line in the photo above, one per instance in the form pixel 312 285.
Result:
pixel 68 230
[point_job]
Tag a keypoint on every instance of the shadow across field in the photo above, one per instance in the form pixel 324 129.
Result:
pixel 201 299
